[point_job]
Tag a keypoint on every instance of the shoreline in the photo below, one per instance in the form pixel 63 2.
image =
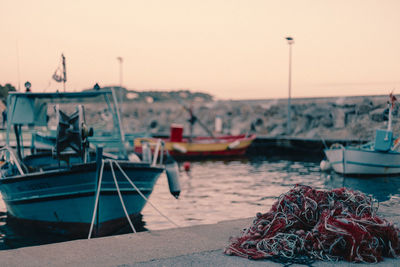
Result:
pixel 352 118
pixel 200 245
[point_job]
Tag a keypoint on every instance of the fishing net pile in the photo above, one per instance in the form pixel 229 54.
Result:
pixel 316 224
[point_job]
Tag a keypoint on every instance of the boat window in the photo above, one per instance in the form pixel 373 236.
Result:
pixel 24 110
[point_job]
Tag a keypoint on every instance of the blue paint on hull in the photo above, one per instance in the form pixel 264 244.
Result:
pixel 68 196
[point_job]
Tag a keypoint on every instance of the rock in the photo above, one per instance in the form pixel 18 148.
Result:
pixel 279 130
pixel 313 133
pixel 331 118
pixel 378 115
pixel 365 107
pixel 339 118
pixel 153 124
pixel 259 122
pixel 316 112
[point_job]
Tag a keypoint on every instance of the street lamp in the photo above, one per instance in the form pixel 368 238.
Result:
pixel 290 41
pixel 121 60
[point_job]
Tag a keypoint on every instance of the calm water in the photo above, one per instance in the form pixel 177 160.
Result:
pixel 214 191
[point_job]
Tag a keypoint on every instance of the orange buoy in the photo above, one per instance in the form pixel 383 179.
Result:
pixel 186 166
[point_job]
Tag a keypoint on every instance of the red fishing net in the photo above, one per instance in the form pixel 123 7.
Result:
pixel 326 225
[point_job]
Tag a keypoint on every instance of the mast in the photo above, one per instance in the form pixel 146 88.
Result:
pixel 18 69
pixel 61 75
pixel 393 99
pixel 64 70
pixel 120 60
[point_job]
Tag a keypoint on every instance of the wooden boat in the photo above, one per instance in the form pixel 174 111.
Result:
pixel 71 189
pixel 363 160
pixel 379 157
pixel 208 146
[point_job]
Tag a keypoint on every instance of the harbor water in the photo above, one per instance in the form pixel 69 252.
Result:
pixel 214 191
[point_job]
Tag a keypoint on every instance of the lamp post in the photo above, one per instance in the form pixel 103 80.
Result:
pixel 290 41
pixel 121 60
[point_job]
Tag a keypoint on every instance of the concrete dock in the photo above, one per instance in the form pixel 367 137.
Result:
pixel 200 245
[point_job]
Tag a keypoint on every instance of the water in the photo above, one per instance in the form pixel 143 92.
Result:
pixel 214 191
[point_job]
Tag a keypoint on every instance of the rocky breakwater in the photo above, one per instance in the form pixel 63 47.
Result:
pixel 353 118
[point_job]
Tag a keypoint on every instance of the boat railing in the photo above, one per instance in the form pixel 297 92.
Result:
pixel 159 150
pixel 368 146
pixel 150 153
pixel 13 158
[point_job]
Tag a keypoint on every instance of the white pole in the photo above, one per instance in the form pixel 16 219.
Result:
pixel 121 60
pixel 389 128
pixel 290 42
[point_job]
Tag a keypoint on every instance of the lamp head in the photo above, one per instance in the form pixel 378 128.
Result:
pixel 290 40
pixel 28 85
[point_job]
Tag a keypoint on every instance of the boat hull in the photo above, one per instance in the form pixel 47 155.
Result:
pixel 202 146
pixel 65 199
pixel 357 161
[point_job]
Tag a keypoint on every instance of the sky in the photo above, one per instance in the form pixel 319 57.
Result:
pixel 232 49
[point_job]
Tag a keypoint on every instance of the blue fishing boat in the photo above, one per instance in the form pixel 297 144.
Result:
pixel 75 187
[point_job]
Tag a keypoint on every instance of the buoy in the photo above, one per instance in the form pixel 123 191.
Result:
pixel 146 153
pixel 172 170
pixel 179 148
pixel 133 157
pixel 186 166
pixel 325 165
pixel 234 144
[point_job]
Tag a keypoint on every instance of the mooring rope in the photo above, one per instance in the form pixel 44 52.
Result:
pixel 141 194
pixel 120 196
pixel 96 202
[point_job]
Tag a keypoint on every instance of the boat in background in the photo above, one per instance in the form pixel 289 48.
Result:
pixel 207 146
pixel 72 189
pixel 379 157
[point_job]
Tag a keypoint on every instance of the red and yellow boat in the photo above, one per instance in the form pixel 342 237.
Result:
pixel 224 145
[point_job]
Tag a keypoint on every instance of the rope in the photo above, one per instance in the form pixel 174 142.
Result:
pixel 141 194
pixel 97 199
pixel 120 196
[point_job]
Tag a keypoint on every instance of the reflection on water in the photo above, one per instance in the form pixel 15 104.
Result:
pixel 381 188
pixel 14 235
pixel 214 191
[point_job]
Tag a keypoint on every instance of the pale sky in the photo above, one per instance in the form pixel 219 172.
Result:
pixel 232 49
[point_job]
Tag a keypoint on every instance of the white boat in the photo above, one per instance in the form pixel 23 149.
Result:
pixel 380 157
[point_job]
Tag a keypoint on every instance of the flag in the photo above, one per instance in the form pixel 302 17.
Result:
pixel 392 99
pixel 57 77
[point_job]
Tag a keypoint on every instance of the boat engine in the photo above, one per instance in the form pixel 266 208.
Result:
pixel 72 132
